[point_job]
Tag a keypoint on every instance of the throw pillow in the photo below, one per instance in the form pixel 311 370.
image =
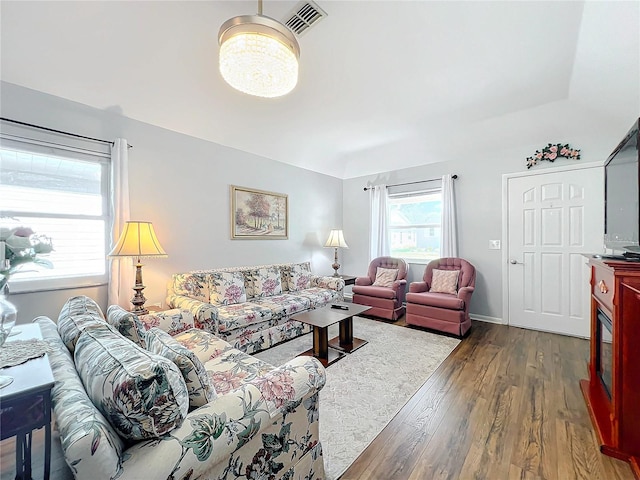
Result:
pixel 267 282
pixel 227 288
pixel 141 394
pixel 172 321
pixel 444 281
pixel 127 323
pixel 200 390
pixel 299 277
pixel 77 314
pixel 385 277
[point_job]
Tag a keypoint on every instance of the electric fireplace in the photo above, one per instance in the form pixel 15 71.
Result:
pixel 604 356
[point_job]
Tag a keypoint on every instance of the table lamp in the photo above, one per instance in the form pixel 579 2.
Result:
pixel 138 239
pixel 336 240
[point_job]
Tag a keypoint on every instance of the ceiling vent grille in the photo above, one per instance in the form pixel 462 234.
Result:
pixel 304 16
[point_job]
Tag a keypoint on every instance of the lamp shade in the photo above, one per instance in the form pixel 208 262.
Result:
pixel 258 56
pixel 138 239
pixel 336 239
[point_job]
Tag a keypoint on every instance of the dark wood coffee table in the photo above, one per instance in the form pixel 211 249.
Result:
pixel 321 319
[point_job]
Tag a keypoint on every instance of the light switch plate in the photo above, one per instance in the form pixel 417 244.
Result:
pixel 494 244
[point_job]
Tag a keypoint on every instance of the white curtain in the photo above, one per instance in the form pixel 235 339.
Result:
pixel 449 233
pixel 379 239
pixel 120 269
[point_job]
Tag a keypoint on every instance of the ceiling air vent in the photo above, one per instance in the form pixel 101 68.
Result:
pixel 303 16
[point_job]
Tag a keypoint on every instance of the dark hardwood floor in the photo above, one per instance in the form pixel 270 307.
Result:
pixel 504 405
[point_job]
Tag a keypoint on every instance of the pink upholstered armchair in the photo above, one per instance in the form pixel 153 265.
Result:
pixel 446 312
pixel 385 301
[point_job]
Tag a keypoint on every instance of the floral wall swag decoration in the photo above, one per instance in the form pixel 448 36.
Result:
pixel 553 151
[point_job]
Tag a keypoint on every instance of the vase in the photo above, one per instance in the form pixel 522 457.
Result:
pixel 8 315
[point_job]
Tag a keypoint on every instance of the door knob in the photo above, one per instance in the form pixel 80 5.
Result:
pixel 515 262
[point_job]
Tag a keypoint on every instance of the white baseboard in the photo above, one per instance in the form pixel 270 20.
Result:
pixel 484 318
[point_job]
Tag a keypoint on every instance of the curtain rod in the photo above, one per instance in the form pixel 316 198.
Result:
pixel 411 183
pixel 99 140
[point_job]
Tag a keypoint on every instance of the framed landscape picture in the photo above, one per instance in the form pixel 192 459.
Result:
pixel 256 214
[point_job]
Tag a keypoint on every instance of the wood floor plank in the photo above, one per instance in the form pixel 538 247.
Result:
pixel 505 405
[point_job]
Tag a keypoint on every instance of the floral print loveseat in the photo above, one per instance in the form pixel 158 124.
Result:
pixel 136 404
pixel 250 307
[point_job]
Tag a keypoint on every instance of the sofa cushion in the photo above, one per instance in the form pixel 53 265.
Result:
pixel 77 314
pixel 200 390
pixel 299 277
pixel 284 304
pixel 234 368
pixel 385 277
pixel 444 281
pixel 318 297
pixel 231 317
pixel 141 394
pixel 438 300
pixel 172 321
pixel 371 291
pixel 227 288
pixel 127 323
pixel 192 285
pixel 267 282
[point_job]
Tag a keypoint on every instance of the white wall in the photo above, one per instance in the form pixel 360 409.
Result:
pixel 181 184
pixel 479 190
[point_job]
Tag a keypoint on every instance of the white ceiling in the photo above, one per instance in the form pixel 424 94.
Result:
pixel 383 84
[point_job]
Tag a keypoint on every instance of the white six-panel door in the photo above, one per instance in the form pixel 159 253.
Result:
pixel 553 219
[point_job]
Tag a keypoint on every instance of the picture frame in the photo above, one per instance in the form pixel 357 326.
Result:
pixel 258 214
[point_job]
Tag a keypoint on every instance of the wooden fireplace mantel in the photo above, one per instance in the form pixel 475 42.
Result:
pixel 615 291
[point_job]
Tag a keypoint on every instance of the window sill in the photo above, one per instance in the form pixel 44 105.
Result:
pixel 17 287
pixel 418 261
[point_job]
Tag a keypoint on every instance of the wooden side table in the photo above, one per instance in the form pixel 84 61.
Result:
pixel 151 309
pixel 348 279
pixel 25 405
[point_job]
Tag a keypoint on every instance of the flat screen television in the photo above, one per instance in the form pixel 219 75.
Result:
pixel 622 196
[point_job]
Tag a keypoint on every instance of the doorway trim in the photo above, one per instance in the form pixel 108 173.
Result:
pixel 505 223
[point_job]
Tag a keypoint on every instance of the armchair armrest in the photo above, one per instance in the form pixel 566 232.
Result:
pixel 464 294
pixel 205 314
pixel 400 286
pixel 172 321
pixel 364 281
pixel 286 385
pixel 212 433
pixel 332 283
pixel 418 287
pixel 207 437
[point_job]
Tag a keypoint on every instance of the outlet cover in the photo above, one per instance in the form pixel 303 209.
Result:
pixel 494 244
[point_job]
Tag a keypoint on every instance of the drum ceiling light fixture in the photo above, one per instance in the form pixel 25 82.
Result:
pixel 258 55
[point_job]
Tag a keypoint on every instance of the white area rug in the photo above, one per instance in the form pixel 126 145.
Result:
pixel 367 388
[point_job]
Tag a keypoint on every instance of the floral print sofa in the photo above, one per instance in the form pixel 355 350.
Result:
pixel 135 404
pixel 250 307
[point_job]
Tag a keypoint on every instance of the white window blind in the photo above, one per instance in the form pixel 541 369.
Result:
pixel 414 223
pixel 61 193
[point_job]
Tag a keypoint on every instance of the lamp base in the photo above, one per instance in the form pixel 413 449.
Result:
pixel 138 299
pixel 336 265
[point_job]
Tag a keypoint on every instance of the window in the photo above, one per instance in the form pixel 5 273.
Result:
pixel 62 194
pixel 414 225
